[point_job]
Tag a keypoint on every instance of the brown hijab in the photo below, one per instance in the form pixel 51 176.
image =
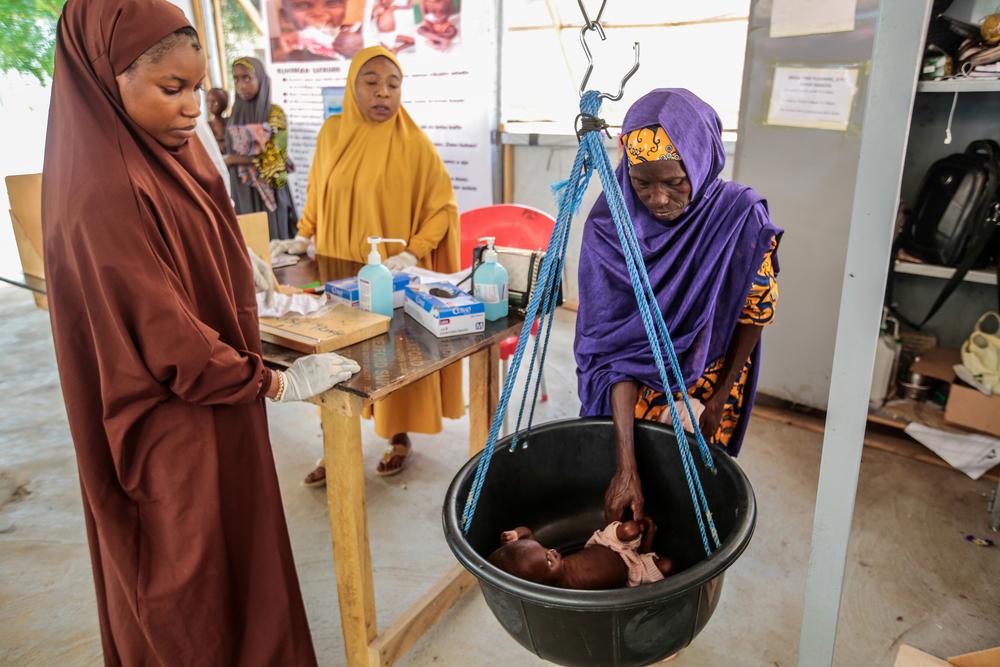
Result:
pixel 156 334
pixel 143 251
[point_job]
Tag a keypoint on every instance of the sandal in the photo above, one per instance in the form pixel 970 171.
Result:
pixel 394 457
pixel 317 477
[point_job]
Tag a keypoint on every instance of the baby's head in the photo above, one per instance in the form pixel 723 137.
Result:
pixel 441 8
pixel 325 14
pixel 529 560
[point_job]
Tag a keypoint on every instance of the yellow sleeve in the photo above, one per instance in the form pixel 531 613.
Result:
pixel 438 214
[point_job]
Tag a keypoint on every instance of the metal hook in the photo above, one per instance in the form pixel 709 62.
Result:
pixel 590 63
pixel 590 25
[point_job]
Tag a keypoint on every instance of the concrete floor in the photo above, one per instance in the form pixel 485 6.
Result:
pixel 911 578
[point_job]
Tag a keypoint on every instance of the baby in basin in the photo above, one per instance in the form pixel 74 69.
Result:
pixel 620 555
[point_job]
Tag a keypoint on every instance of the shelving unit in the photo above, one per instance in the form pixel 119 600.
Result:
pixel 960 86
pixel 944 272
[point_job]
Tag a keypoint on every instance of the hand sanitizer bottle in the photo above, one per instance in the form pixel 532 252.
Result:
pixel 491 283
pixel 375 281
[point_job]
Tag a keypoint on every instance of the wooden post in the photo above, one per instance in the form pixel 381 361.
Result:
pixel 220 42
pixel 199 24
pixel 484 369
pixel 420 617
pixel 345 498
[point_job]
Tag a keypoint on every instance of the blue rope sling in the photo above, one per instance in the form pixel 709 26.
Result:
pixel 541 305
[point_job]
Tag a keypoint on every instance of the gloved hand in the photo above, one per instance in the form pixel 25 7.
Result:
pixel 314 374
pixel 297 246
pixel 400 262
pixel 263 279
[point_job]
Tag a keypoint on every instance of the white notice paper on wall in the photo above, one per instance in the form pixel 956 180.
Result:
pixel 790 18
pixel 814 97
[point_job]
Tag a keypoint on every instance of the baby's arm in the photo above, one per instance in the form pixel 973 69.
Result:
pixel 648 535
pixel 519 533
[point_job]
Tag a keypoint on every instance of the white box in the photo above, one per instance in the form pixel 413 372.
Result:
pixel 444 310
pixel 347 290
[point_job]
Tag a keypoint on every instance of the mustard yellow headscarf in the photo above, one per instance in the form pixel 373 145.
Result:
pixel 379 179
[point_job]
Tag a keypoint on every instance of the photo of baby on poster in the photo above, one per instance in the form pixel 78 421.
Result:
pixel 322 30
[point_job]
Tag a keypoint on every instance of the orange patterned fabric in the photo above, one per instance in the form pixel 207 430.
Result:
pixel 649 144
pixel 758 310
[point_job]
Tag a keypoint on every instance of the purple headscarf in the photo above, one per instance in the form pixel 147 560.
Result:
pixel 700 266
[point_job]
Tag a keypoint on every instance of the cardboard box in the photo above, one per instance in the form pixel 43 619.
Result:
pixel 973 410
pixel 347 291
pixel 445 310
pixel 909 656
pixel 938 363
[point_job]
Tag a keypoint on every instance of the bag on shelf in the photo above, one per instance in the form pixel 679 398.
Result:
pixel 954 221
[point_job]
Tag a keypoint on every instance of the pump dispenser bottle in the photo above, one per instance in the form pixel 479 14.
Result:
pixel 375 281
pixel 491 283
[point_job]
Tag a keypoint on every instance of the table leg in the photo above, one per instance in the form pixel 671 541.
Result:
pixel 484 391
pixel 345 499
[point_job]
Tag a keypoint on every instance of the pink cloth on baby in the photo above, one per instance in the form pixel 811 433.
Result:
pixel 641 567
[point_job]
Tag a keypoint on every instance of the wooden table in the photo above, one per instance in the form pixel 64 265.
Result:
pixel 406 354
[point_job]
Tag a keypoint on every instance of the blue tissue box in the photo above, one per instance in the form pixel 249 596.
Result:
pixel 444 310
pixel 346 290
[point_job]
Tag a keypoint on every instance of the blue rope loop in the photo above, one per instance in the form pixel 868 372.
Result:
pixel 590 157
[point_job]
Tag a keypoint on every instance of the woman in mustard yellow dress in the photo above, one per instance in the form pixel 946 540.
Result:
pixel 375 173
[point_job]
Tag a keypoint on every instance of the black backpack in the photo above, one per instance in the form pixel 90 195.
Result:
pixel 954 221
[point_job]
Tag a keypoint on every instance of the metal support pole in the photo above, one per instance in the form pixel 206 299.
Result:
pixel 499 157
pixel 896 57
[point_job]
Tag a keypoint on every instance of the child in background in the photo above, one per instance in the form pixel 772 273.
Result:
pixel 218 102
pixel 438 25
pixel 620 555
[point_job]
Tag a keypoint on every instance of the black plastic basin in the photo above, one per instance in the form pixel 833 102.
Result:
pixel 556 487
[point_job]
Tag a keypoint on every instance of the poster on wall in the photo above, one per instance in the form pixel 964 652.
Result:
pixel 449 76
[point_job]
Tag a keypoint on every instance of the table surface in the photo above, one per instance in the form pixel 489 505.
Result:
pixel 407 353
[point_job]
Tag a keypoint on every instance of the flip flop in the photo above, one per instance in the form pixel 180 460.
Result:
pixel 394 450
pixel 315 482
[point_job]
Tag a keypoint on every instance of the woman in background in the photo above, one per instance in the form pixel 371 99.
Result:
pixel 375 173
pixel 257 150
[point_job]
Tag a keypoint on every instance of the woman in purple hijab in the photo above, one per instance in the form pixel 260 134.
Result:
pixel 711 253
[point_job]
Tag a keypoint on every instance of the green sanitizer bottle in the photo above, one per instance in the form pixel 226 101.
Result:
pixel 375 281
pixel 491 283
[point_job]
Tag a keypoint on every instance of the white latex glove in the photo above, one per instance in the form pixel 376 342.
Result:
pixel 296 246
pixel 263 279
pixel 682 411
pixel 314 374
pixel 400 262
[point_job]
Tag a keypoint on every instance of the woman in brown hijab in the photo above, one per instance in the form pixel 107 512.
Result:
pixel 154 319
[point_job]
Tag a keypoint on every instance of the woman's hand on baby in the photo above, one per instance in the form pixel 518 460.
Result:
pixel 624 492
